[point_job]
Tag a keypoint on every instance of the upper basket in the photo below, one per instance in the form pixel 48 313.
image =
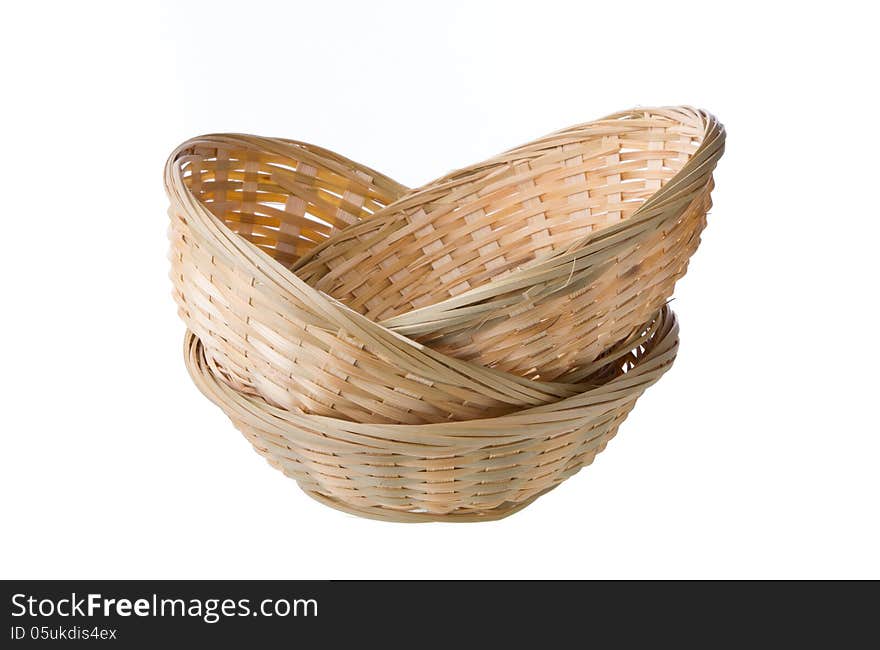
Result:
pixel 313 281
pixel 539 259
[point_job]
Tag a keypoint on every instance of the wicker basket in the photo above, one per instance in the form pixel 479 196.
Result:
pixel 535 261
pixel 476 470
pixel 624 204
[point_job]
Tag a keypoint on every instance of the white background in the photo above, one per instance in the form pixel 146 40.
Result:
pixel 757 455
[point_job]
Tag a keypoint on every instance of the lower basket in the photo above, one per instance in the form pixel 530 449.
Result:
pixel 476 470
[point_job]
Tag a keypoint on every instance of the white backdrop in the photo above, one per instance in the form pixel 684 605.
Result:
pixel 755 456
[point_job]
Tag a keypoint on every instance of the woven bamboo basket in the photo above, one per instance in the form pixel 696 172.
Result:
pixel 477 470
pixel 537 260
pixel 262 229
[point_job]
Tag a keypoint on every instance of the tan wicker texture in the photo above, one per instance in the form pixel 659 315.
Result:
pixel 245 209
pixel 446 353
pixel 476 470
pixel 535 261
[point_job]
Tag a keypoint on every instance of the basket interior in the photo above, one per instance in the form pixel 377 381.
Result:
pixel 284 201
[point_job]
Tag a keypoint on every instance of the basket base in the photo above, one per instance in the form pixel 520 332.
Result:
pixel 402 516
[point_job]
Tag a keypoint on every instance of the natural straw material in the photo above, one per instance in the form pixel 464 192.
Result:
pixel 536 261
pixel 477 470
pixel 563 249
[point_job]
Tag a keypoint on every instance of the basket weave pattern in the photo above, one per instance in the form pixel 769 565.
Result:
pixel 450 352
pixel 454 471
pixel 500 263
